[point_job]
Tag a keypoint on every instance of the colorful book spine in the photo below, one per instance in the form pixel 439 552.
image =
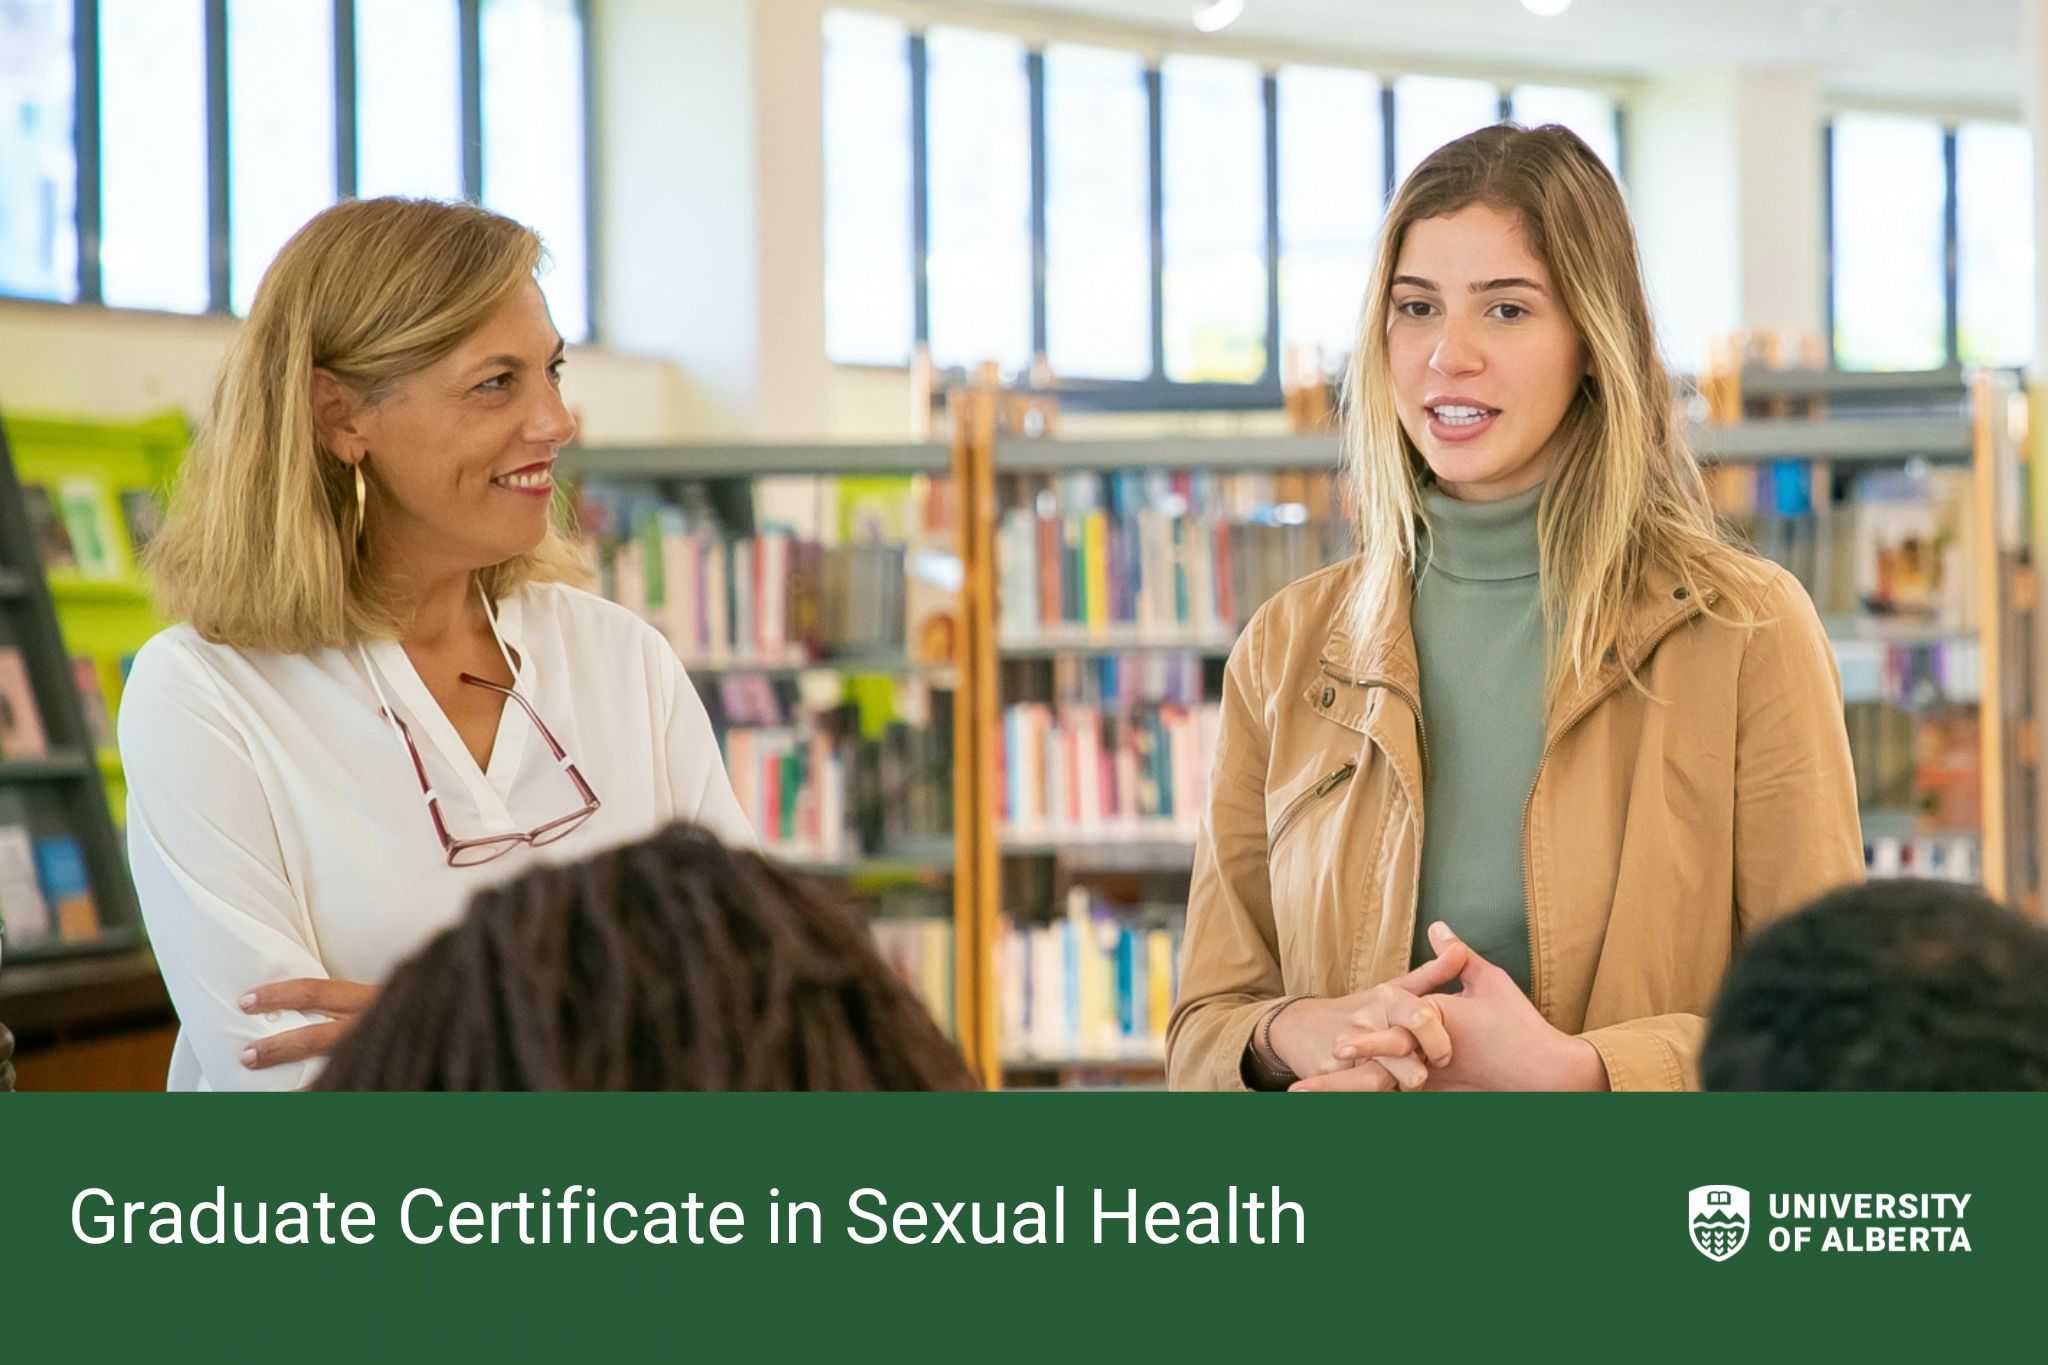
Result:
pixel 920 951
pixel 67 887
pixel 1084 773
pixel 1096 983
pixel 1158 551
pixel 21 723
pixel 24 913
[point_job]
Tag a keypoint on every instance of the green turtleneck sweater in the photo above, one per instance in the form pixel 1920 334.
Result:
pixel 1478 623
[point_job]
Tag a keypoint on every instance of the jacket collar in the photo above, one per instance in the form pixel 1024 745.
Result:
pixel 1387 658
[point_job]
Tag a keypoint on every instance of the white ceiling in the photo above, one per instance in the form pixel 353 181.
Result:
pixel 1961 52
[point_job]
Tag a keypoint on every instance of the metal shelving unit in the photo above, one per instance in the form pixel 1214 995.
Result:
pixel 64 783
pixel 1941 417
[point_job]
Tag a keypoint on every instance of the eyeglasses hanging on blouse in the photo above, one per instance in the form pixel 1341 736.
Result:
pixel 475 851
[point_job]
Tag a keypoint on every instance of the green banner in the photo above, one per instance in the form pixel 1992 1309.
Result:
pixel 1034 1226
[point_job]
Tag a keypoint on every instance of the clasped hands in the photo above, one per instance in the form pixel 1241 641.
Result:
pixel 1405 1034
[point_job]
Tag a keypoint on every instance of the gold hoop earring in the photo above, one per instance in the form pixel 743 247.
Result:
pixel 362 505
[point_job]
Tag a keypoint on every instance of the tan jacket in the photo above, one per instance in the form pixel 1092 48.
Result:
pixel 1658 832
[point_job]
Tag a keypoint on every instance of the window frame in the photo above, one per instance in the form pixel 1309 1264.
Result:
pixel 1951 246
pixel 1155 392
pixel 87 140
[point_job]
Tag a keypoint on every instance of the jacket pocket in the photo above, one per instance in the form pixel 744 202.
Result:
pixel 1329 783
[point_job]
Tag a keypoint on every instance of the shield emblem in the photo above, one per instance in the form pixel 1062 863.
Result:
pixel 1718 1216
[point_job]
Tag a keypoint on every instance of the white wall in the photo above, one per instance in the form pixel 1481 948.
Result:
pixel 1725 185
pixel 711 178
pixel 1780 217
pixel 97 362
pixel 1683 191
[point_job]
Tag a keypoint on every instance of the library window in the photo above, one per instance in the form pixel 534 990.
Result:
pixel 1588 113
pixel 979 140
pixel 172 130
pixel 1432 110
pixel 869 246
pixel 280 129
pixel 533 132
pixel 1994 244
pixel 1889 196
pixel 1098 214
pixel 409 131
pixel 154 230
pixel 1331 179
pixel 38 168
pixel 1213 135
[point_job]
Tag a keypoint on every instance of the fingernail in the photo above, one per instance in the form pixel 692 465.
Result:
pixel 248 1002
pixel 1342 1053
pixel 1441 932
pixel 249 1056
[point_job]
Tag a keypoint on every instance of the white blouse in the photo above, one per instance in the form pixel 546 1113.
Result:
pixel 276 827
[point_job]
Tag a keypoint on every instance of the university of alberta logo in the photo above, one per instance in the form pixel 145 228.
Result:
pixel 1719 1218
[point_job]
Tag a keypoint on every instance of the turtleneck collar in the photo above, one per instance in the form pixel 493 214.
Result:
pixel 1486 541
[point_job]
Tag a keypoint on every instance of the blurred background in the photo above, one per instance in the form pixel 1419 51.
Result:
pixel 793 242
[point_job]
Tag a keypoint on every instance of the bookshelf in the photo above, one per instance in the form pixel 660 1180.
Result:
pixel 1117 877
pixel 816 596
pixel 1939 675
pixel 1124 570
pixel 72 926
pixel 101 482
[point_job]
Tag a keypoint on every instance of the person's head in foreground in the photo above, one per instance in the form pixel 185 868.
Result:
pixel 674 963
pixel 1894 985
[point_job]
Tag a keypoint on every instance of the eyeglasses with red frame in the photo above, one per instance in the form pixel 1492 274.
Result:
pixel 473 852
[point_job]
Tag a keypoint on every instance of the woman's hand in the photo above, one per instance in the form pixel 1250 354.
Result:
pixel 340 1001
pixel 1501 1042
pixel 1386 1037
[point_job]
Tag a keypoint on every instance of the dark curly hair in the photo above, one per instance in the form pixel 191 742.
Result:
pixel 1897 985
pixel 674 963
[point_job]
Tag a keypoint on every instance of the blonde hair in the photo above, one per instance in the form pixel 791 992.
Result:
pixel 260 546
pixel 1624 492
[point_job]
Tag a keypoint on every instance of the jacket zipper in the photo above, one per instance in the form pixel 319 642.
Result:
pixel 1529 802
pixel 1329 783
pixel 1414 706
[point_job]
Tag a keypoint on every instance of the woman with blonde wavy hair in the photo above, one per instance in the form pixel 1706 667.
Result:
pixel 386 689
pixel 1494 800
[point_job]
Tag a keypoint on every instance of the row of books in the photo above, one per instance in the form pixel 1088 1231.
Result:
pixel 1928 762
pixel 1910 675
pixel 1895 543
pixel 73 523
pixel 1953 859
pixel 45 891
pixel 21 727
pixel 21 721
pixel 1123 680
pixel 844 779
pixel 1158 550
pixel 920 950
pixel 1088 773
pixel 770 599
pixel 1097 983
pixel 790 583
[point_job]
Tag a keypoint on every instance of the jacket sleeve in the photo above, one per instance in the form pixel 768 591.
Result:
pixel 1230 965
pixel 1797 832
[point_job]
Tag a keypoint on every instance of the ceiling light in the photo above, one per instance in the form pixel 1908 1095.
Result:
pixel 1546 9
pixel 1215 17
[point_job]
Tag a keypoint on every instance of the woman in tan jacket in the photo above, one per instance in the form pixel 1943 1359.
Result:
pixel 1494 800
